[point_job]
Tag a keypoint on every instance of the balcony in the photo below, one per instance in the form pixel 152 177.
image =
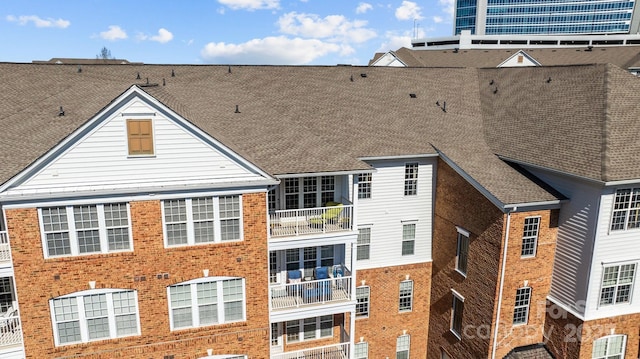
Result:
pixel 5 250
pixel 299 222
pixel 10 329
pixel 311 292
pixel 336 351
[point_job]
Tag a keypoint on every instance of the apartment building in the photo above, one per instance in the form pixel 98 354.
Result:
pixel 176 211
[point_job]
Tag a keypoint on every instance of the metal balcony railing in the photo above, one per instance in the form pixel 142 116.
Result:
pixel 312 292
pixel 296 222
pixel 5 250
pixel 336 351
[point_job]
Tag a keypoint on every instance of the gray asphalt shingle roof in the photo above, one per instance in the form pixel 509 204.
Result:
pixel 326 119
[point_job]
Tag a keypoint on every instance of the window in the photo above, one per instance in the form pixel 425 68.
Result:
pixel 364 185
pixel 626 209
pixel 410 179
pixel 206 301
pixel 363 297
pixel 610 347
pixel 140 137
pixel 364 243
pixel 617 282
pixel 202 220
pixel 408 239
pixel 305 192
pixel 85 229
pixel 361 350
pixel 462 251
pixel 402 346
pixel 309 328
pixel 530 236
pixel 457 310
pixel 521 308
pixel 444 354
pixel 6 294
pixel 224 356
pixel 406 296
pixel 94 314
pixel 308 258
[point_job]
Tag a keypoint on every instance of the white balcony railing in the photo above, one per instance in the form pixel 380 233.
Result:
pixel 5 250
pixel 336 351
pixel 10 330
pixel 312 292
pixel 295 222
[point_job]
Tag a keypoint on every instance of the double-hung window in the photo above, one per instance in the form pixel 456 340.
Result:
pixel 363 300
pixel 530 236
pixel 610 347
pixel 457 309
pixel 309 328
pixel 403 344
pixel 626 209
pixel 405 302
pixel 361 350
pixel 85 229
pixel 410 179
pixel 94 315
pixel 193 221
pixel 364 185
pixel 364 243
pixel 408 239
pixel 308 192
pixel 521 307
pixel 617 283
pixel 206 301
pixel 462 251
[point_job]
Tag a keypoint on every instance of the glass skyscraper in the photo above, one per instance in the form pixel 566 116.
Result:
pixel 553 17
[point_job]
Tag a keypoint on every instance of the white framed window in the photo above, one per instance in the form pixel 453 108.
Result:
pixel 462 251
pixel 408 239
pixel 411 179
pixel 457 311
pixel 224 356
pixel 202 220
pixel 361 350
pixel 521 306
pixel 94 314
pixel 206 301
pixel 364 185
pixel 309 329
pixel 617 284
pixel 403 344
pixel 363 295
pixel 530 236
pixel 308 258
pixel 308 192
pixel 364 243
pixel 609 347
pixel 626 209
pixel 405 302
pixel 85 229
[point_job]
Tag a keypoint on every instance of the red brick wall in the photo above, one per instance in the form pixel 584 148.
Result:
pixel 384 324
pixel 537 271
pixel 38 280
pixel 459 204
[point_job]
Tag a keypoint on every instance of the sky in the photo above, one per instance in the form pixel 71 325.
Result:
pixel 272 32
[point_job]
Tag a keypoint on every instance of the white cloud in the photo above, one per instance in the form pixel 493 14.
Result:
pixel 363 7
pixel 448 6
pixel 335 28
pixel 114 33
pixel 409 11
pixel 163 36
pixel 251 4
pixel 438 19
pixel 394 41
pixel 272 50
pixel 39 22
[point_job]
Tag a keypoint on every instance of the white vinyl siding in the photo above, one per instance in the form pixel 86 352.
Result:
pixel 94 315
pixel 85 229
pixel 388 208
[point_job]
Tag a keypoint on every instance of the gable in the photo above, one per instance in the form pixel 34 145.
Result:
pixel 389 59
pixel 519 59
pixel 99 157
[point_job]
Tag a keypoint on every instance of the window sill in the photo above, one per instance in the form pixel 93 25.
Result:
pixel 71 257
pixel 461 273
pixel 455 334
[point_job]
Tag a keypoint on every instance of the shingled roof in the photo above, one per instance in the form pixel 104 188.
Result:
pixel 327 119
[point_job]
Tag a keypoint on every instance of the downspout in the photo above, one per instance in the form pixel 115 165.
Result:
pixel 504 262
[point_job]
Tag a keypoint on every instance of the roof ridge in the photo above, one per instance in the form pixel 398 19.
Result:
pixel 604 134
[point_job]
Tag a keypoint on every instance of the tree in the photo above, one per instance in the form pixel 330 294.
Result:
pixel 105 54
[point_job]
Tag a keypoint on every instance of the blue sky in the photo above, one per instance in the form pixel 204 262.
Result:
pixel 296 32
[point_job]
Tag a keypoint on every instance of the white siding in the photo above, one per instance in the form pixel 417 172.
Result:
pixel 576 231
pixel 388 207
pixel 100 160
pixel 612 248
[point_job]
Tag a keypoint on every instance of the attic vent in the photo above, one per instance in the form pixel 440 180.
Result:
pixel 363 75
pixel 237 109
pixel 138 76
pixel 173 73
pixel 412 95
pixel 61 111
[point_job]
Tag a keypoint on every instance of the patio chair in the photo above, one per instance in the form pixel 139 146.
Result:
pixel 330 215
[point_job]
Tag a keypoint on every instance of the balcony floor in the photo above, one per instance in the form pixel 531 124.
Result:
pixel 287 301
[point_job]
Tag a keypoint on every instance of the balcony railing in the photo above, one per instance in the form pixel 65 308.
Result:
pixel 296 222
pixel 10 330
pixel 312 292
pixel 5 250
pixel 336 351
